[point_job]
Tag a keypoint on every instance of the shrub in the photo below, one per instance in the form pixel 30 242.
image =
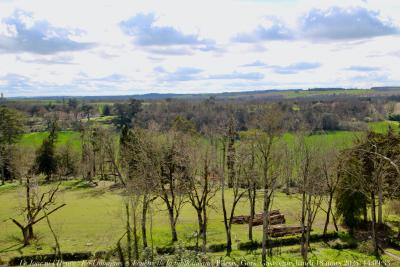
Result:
pixel 181 255
pixel 287 241
pixel 394 242
pixel 366 247
pixel 217 247
pixel 45 258
pixel 165 250
pixel 250 245
pixel 394 117
pixel 340 244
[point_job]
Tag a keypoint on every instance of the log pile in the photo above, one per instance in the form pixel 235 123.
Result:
pixel 275 217
pixel 285 230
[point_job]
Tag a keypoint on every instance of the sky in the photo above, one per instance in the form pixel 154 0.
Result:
pixel 99 47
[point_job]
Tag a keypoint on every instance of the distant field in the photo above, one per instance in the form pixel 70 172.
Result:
pixel 341 138
pixel 382 126
pixel 34 140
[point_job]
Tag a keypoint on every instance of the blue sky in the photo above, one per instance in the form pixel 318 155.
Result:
pixel 99 47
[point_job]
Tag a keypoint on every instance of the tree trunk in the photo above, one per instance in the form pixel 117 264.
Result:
pixel 200 223
pixel 373 222
pixel 252 198
pixel 30 231
pixel 135 236
pixel 3 177
pixel 231 155
pixel 265 226
pixel 227 226
pixel 380 205
pixel 26 236
pixel 302 223
pixel 128 235
pixel 334 221
pixel 29 215
pixel 204 229
pixel 328 213
pixel 174 235
pixel 120 254
pixel 144 220
pixel 228 242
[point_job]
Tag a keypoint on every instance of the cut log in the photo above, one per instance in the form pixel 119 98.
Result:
pixel 275 217
pixel 285 230
pixel 273 220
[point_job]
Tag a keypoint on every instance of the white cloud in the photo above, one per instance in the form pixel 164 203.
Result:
pixel 47 47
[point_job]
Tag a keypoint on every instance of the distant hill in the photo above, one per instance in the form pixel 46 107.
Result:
pixel 158 96
pixel 326 89
pixel 254 94
pixel 386 88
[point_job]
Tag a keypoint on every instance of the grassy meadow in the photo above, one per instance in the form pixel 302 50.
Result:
pixel 94 220
pixel 34 140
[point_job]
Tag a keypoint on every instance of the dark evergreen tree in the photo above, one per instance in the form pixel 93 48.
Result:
pixel 46 160
pixel 126 113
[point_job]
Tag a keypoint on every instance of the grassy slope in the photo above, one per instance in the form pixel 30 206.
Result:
pixel 94 220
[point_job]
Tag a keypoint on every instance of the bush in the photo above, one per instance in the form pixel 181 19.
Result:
pixel 165 250
pixel 339 244
pixel 217 247
pixel 366 247
pixel 287 241
pixel 395 243
pixel 181 255
pixel 46 258
pixel 172 249
pixel 250 245
pixel 394 117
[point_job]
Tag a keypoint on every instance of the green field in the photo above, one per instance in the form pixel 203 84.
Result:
pixel 342 138
pixel 34 140
pixel 93 220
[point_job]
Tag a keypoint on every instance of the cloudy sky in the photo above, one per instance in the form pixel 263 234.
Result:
pixel 69 47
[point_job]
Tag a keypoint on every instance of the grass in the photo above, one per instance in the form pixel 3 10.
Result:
pixel 340 138
pixel 382 126
pixel 34 140
pixel 94 220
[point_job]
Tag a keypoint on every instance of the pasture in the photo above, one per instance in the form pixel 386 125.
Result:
pixel 94 220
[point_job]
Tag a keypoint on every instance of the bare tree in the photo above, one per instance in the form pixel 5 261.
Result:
pixel 270 128
pixel 38 207
pixel 329 161
pixel 202 187
pixel 236 182
pixel 174 178
pixel 311 192
pixel 252 176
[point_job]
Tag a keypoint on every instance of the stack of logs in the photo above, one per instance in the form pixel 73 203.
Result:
pixel 280 231
pixel 275 218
